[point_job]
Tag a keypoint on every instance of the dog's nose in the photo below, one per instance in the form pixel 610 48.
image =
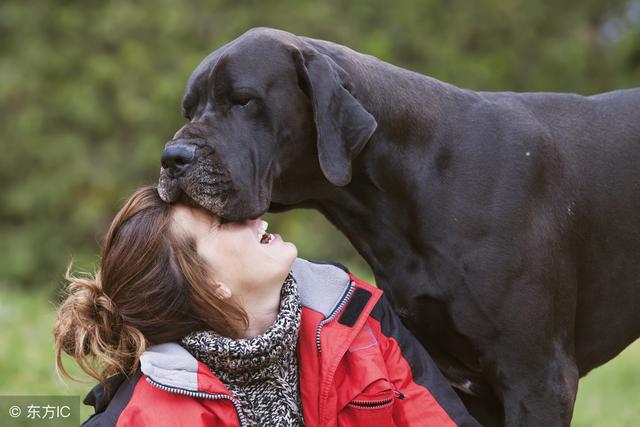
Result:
pixel 176 158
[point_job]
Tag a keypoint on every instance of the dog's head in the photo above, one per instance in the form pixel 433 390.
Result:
pixel 266 106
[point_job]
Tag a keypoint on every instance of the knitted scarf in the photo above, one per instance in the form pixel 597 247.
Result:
pixel 261 372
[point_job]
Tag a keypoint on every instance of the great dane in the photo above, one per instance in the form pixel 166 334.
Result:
pixel 504 227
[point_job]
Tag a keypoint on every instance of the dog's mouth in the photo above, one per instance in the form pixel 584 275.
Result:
pixel 179 196
pixel 206 185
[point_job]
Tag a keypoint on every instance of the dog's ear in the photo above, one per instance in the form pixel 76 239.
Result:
pixel 343 125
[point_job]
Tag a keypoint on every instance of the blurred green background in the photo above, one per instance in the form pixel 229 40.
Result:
pixel 90 92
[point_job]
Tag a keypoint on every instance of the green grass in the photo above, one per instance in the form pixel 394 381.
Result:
pixel 27 361
pixel 608 396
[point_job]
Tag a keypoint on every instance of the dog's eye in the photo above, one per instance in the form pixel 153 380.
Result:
pixel 241 100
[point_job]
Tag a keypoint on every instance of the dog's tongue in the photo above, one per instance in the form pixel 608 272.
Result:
pixel 168 188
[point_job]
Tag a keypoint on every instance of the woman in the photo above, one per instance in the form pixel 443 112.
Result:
pixel 191 320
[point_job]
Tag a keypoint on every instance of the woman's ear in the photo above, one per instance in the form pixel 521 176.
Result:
pixel 223 291
pixel 343 125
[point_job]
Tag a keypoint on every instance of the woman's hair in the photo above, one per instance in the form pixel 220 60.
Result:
pixel 151 287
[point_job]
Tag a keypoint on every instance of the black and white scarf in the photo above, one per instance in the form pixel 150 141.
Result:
pixel 261 372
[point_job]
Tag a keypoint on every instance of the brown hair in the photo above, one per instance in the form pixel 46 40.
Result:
pixel 151 287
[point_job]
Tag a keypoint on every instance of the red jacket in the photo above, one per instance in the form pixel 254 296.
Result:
pixel 358 367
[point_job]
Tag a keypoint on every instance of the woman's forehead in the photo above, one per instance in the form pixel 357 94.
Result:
pixel 194 218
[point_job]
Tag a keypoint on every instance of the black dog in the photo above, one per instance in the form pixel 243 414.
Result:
pixel 504 227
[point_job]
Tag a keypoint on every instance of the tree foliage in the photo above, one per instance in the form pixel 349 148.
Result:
pixel 90 92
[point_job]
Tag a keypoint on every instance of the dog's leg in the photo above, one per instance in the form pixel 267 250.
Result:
pixel 541 392
pixel 488 411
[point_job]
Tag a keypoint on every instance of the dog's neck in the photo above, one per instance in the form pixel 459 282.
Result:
pixel 399 99
pixel 410 110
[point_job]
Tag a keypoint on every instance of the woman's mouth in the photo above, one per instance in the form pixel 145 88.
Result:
pixel 265 238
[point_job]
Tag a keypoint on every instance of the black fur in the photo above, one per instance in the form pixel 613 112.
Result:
pixel 503 227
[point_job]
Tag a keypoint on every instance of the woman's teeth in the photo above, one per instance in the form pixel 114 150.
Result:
pixel 264 237
pixel 267 238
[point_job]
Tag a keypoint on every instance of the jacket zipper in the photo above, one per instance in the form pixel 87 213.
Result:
pixel 370 404
pixel 203 395
pixel 377 403
pixel 345 299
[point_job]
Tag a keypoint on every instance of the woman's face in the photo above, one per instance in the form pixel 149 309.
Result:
pixel 237 258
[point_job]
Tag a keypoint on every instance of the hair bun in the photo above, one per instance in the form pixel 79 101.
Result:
pixel 90 326
pixel 93 306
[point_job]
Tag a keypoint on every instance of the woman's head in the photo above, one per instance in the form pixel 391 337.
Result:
pixel 165 271
pixel 241 262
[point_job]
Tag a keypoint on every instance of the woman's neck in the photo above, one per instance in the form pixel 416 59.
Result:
pixel 262 307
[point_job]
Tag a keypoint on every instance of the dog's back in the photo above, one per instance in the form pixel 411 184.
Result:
pixel 589 147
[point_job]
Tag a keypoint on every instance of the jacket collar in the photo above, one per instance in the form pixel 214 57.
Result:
pixel 170 365
pixel 322 287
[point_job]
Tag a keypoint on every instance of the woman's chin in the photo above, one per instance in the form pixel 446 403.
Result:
pixel 281 251
pixel 290 252
pixel 294 250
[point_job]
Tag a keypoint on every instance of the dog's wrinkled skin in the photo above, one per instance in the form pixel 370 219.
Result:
pixel 504 227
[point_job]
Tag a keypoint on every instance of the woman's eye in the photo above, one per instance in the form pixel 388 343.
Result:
pixel 224 221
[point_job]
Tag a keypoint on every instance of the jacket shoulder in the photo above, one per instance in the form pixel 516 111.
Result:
pixel 110 405
pixel 151 406
pixel 137 403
